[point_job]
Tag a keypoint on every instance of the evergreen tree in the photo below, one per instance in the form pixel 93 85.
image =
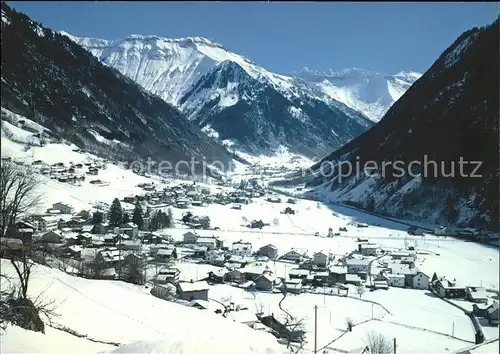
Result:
pixel 115 213
pixel 451 212
pixel 160 220
pixel 370 205
pixel 170 218
pixel 97 217
pixel 137 216
pixel 125 218
pixel 153 223
pixel 434 277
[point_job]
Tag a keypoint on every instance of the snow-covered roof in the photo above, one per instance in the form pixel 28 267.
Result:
pixel 238 259
pixel 255 268
pixel 360 262
pixel 269 276
pixel 165 251
pixel 369 246
pixel 87 228
pixel 298 271
pixel 206 239
pixel 352 277
pixel 395 276
pixel 269 246
pixel 400 254
pixel 400 268
pixel 86 235
pixel 338 270
pixel 194 286
pixel 165 270
pixel 110 255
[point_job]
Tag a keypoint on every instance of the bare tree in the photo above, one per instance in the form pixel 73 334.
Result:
pixel 349 322
pixel 18 193
pixel 360 289
pixel 378 344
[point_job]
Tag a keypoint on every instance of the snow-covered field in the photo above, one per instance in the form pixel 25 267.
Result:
pixel 118 312
pixel 124 313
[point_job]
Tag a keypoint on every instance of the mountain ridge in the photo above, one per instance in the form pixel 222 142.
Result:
pixel 449 115
pixel 173 68
pixel 52 80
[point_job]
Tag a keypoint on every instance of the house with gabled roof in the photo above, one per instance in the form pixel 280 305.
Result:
pixel 190 237
pixel 293 256
pixel 450 289
pixel 63 208
pixel 166 254
pixel 321 259
pixel 381 282
pixel 476 294
pixel 270 251
pixel 253 270
pixel 242 248
pixel 130 229
pixel 109 256
pixel 421 281
pixel 293 286
pixel 356 266
pixel 52 236
pixel 265 281
pixel 193 290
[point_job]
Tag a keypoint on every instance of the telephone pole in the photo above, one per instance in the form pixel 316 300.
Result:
pixel 315 329
pixel 394 346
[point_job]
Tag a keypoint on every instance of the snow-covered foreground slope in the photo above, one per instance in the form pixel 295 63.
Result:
pixel 18 340
pixel 365 91
pixel 124 313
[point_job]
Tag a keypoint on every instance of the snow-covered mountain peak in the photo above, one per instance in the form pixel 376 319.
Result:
pixel 408 75
pixel 169 67
pixel 183 42
pixel 368 92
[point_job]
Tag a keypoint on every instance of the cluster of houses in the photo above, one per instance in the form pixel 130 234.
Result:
pixel 248 268
pixel 484 302
pixel 185 195
pixel 71 173
pixel 67 233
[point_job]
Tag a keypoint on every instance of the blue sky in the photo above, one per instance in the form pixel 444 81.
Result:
pixel 284 37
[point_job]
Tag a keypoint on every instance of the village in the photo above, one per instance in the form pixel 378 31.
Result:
pixel 163 241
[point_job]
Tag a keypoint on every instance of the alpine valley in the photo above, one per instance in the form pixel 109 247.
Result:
pixel 266 251
pixel 449 114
